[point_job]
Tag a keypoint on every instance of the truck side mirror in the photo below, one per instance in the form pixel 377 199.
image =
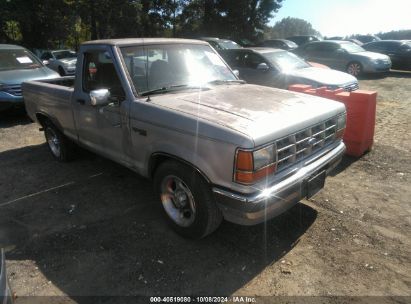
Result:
pixel 100 97
pixel 46 62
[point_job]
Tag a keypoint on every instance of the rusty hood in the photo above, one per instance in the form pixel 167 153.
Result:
pixel 262 113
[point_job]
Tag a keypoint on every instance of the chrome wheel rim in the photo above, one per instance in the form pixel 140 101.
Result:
pixel 178 201
pixel 53 142
pixel 354 69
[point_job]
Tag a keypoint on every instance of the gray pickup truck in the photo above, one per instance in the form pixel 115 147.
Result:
pixel 173 111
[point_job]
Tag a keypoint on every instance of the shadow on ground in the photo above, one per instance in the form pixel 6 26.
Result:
pixel 96 228
pixel 13 117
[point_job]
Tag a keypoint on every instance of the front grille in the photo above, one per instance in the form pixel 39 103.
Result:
pixel 14 90
pixel 351 87
pixel 298 146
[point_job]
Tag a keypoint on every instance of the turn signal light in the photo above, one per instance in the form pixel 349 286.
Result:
pixel 245 168
pixel 244 177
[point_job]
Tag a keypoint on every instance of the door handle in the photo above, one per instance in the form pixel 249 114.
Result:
pixel 81 101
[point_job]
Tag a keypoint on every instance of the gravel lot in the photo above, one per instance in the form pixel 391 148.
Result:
pixel 92 227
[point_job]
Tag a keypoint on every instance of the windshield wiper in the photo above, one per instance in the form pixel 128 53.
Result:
pixel 170 88
pixel 221 81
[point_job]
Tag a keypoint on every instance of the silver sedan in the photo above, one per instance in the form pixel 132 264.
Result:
pixel 280 69
pixel 345 56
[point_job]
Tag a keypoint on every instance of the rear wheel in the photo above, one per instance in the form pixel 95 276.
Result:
pixel 59 145
pixel 354 68
pixel 187 200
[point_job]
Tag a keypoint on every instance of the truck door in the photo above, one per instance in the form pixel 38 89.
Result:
pixel 101 128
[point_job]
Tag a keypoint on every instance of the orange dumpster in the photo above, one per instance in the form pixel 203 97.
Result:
pixel 361 111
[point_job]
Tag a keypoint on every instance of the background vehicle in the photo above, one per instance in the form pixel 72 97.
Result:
pixel 244 42
pixel 61 61
pixel 241 152
pixel 356 41
pixel 399 52
pixel 367 38
pixel 5 294
pixel 303 39
pixel 345 56
pixel 221 44
pixel 279 44
pixel 17 65
pixel 280 69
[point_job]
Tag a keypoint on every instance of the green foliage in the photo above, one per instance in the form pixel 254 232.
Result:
pixel 66 23
pixel 289 26
pixel 396 35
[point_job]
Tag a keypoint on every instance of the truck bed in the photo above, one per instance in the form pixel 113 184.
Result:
pixel 51 97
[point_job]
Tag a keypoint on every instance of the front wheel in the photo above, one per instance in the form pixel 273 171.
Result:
pixel 354 68
pixel 187 200
pixel 59 145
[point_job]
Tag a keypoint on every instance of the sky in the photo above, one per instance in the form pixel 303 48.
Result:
pixel 346 17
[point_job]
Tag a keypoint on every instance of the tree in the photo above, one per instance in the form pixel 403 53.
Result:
pixel 290 27
pixel 61 23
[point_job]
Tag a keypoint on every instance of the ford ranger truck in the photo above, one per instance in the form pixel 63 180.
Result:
pixel 173 111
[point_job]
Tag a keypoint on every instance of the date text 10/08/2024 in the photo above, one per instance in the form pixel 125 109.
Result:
pixel 203 299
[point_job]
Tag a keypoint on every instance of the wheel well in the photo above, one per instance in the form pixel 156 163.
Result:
pixel 158 158
pixel 353 61
pixel 41 118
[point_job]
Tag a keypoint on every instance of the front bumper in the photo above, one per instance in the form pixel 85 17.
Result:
pixel 370 67
pixel 8 101
pixel 70 70
pixel 267 203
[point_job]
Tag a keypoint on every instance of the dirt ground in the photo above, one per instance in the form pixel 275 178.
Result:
pixel 92 227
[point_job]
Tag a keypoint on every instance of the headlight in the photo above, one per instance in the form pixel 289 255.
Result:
pixel 333 87
pixel 341 124
pixel 251 166
pixel 264 157
pixel 341 121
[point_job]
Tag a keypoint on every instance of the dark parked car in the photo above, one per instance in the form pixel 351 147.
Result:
pixel 399 52
pixel 367 38
pixel 356 41
pixel 303 39
pixel 16 66
pixel 221 44
pixel 344 56
pixel 5 294
pixel 283 44
pixel 279 68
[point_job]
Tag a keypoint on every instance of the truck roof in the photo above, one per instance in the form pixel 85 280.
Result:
pixel 142 41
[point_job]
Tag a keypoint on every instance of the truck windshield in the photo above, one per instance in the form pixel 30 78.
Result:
pixel 157 67
pixel 16 59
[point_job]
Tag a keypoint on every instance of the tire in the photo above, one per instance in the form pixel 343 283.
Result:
pixel 187 200
pixel 354 68
pixel 61 71
pixel 61 148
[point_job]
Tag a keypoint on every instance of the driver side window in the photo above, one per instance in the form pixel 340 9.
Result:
pixel 252 60
pixel 99 73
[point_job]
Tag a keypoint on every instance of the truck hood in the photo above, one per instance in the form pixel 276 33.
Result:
pixel 262 113
pixel 18 76
pixel 323 76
